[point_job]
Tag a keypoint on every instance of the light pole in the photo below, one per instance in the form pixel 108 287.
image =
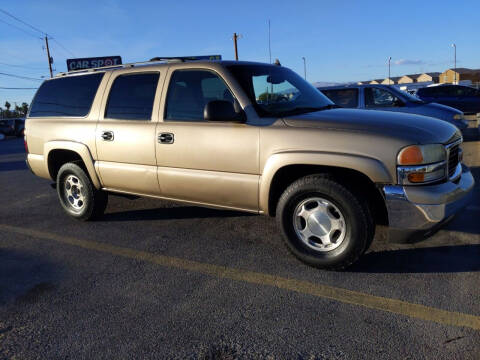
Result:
pixel 304 67
pixel 389 60
pixel 454 63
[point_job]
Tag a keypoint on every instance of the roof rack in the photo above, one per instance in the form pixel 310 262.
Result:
pixel 153 60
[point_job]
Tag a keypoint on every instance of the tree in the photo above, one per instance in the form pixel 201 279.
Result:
pixel 7 105
pixel 24 108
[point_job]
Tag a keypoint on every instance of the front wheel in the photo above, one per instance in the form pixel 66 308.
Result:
pixel 77 195
pixel 323 223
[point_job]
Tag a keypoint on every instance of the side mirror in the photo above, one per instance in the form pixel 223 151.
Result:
pixel 222 110
pixel 398 103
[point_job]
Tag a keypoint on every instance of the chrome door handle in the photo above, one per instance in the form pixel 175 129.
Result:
pixel 166 138
pixel 107 135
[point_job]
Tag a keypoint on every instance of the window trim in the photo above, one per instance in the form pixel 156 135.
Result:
pixel 172 72
pixel 109 89
pixel 68 117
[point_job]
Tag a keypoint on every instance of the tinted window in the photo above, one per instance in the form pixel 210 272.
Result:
pixel 68 96
pixel 131 97
pixel 375 97
pixel 190 90
pixel 345 98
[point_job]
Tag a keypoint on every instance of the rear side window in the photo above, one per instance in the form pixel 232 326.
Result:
pixel 69 96
pixel 131 97
pixel 347 98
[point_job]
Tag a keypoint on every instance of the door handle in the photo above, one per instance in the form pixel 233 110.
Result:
pixel 107 135
pixel 166 138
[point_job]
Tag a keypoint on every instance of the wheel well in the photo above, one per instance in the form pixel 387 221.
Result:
pixel 352 179
pixel 56 158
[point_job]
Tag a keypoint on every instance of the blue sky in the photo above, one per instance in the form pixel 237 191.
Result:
pixel 341 40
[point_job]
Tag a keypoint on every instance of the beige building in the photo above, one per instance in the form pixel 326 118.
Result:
pixel 408 79
pixel 429 77
pixel 391 80
pixel 460 74
pixel 377 81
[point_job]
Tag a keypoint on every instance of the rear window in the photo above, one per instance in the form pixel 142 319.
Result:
pixel 347 98
pixel 132 96
pixel 69 96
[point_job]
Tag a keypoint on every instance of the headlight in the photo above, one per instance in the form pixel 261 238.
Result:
pixel 417 164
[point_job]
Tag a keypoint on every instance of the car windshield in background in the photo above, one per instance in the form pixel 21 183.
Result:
pixel 408 96
pixel 277 91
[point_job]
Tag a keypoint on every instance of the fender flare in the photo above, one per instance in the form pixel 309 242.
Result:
pixel 372 168
pixel 79 148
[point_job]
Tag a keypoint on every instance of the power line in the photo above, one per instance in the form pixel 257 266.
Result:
pixel 18 28
pixel 21 66
pixel 20 77
pixel 16 88
pixel 23 22
pixel 63 47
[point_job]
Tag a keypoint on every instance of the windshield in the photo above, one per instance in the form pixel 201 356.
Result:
pixel 277 91
pixel 407 96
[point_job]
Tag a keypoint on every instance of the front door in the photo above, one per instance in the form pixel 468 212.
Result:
pixel 211 163
pixel 125 134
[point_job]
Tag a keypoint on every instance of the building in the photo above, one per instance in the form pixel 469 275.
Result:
pixel 377 81
pixel 432 77
pixel 460 74
pixel 391 80
pixel 408 79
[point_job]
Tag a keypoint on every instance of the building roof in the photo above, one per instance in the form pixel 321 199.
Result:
pixel 464 70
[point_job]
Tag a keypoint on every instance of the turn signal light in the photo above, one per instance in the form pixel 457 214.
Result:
pixel 411 155
pixel 416 177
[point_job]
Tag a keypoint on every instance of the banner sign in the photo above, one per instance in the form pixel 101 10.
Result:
pixel 87 63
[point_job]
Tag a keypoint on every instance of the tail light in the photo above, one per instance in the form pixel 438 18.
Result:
pixel 25 143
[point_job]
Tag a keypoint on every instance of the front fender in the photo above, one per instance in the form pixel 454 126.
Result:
pixel 372 168
pixel 79 148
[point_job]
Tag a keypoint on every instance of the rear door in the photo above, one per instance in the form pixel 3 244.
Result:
pixel 125 134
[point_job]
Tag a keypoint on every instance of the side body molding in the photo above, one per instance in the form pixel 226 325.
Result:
pixel 370 167
pixel 80 149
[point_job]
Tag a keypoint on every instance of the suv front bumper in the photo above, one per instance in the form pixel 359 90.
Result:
pixel 421 209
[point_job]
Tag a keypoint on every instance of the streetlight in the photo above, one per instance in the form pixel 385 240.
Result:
pixel 389 60
pixel 304 67
pixel 455 63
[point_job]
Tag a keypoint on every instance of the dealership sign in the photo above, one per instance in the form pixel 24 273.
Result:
pixel 87 63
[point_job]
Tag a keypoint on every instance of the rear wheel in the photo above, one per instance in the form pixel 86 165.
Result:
pixel 77 195
pixel 323 223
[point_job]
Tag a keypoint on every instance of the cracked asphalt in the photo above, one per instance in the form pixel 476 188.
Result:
pixel 154 279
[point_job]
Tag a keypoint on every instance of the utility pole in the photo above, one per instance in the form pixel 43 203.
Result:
pixel 50 60
pixel 235 37
pixel 389 60
pixel 304 67
pixel 269 44
pixel 455 63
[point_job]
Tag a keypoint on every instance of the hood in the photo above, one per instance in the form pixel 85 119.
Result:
pixel 415 129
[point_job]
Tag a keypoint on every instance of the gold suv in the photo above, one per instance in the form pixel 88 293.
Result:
pixel 251 137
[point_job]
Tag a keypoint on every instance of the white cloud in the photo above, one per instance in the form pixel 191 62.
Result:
pixel 408 62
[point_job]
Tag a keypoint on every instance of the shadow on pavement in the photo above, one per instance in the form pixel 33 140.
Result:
pixel 163 213
pixel 442 259
pixel 25 277
pixel 13 165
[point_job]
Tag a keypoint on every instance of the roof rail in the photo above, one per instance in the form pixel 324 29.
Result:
pixel 153 60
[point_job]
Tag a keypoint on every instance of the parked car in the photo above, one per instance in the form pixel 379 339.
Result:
pixel 225 134
pixel 13 127
pixel 389 98
pixel 463 98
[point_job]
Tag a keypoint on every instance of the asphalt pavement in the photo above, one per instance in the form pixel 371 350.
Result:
pixel 153 279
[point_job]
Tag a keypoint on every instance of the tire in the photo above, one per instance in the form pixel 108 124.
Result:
pixel 77 195
pixel 323 223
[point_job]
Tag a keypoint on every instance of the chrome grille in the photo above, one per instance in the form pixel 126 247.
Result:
pixel 453 157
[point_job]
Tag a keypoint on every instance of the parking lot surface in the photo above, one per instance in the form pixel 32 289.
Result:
pixel 154 279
